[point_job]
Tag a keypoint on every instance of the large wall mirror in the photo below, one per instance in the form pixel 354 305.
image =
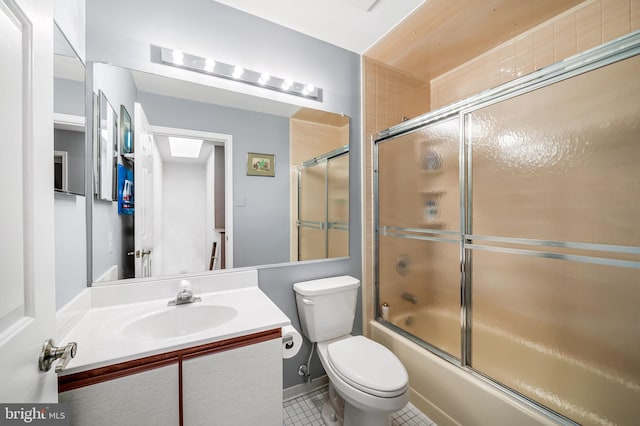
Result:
pixel 69 169
pixel 208 179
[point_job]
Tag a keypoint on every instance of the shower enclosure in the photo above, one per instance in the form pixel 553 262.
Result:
pixel 323 206
pixel 508 240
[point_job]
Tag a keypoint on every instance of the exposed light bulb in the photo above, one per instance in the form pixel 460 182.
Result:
pixel 286 85
pixel 238 71
pixel 178 57
pixel 264 77
pixel 209 65
pixel 309 88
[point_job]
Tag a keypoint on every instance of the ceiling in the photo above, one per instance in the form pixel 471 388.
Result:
pixel 444 34
pixel 354 25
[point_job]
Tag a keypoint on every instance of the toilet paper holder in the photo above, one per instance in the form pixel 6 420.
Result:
pixel 288 341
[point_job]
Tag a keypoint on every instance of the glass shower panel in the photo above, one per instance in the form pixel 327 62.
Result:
pixel 563 333
pixel 312 210
pixel 561 163
pixel 418 178
pixel 420 282
pixel 338 206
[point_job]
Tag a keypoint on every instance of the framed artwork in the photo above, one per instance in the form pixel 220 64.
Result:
pixel 126 133
pixel 261 164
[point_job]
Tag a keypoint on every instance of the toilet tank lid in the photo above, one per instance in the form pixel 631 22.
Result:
pixel 326 285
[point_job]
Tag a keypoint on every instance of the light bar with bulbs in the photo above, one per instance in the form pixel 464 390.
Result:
pixel 210 66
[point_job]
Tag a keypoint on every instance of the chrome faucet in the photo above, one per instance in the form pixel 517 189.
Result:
pixel 410 297
pixel 185 295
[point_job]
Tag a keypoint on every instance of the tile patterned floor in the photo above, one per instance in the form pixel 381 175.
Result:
pixel 305 411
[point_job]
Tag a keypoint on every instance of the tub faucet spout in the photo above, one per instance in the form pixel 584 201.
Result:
pixel 410 297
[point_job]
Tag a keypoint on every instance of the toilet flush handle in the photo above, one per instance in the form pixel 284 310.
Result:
pixel 307 301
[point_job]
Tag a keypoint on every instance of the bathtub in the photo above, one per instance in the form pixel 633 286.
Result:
pixel 453 395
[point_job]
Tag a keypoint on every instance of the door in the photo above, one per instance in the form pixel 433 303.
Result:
pixel 143 190
pixel 27 304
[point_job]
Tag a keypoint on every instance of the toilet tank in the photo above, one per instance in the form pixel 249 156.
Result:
pixel 327 306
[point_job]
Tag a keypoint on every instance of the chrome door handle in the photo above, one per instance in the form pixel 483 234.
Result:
pixel 50 353
pixel 139 253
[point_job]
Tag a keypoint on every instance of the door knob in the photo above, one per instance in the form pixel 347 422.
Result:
pixel 50 353
pixel 139 253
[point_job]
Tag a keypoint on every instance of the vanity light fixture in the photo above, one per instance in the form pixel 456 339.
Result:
pixel 185 147
pixel 179 59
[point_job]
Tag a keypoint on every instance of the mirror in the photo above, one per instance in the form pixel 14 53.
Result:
pixel 69 170
pixel 69 121
pixel 236 203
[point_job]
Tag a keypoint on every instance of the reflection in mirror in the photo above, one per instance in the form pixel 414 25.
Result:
pixel 106 153
pixel 69 170
pixel 215 210
pixel 69 122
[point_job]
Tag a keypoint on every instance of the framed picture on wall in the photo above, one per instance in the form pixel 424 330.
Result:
pixel 261 164
pixel 126 133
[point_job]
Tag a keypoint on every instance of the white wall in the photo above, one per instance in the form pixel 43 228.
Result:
pixel 157 267
pixel 71 18
pixel 210 202
pixel 183 192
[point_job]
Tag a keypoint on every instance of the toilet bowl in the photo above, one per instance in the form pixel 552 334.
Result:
pixel 368 377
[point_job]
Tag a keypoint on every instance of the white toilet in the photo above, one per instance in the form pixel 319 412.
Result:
pixel 370 382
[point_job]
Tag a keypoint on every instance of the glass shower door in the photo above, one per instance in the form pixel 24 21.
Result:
pixel 556 244
pixel 419 233
pixel 312 212
pixel 338 206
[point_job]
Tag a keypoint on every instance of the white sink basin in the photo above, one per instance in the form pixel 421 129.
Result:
pixel 178 321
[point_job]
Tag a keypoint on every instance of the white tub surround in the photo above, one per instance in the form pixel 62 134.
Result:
pixel 97 319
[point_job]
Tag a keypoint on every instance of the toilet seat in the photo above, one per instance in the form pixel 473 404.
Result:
pixel 368 366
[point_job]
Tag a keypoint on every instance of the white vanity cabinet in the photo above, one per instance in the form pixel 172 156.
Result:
pixel 237 381
pixel 237 387
pixel 150 397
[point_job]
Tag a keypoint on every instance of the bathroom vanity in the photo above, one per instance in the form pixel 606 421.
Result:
pixel 217 361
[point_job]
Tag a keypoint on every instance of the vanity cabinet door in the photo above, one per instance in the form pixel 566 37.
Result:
pixel 147 398
pixel 235 387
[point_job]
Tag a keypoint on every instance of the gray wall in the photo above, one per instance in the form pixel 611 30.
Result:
pixel 122 32
pixel 73 143
pixel 68 96
pixel 261 227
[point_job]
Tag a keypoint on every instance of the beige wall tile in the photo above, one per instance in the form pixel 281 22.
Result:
pixel 616 18
pixel 635 15
pixel 524 55
pixel 564 38
pixel 543 47
pixel 507 61
pixel 589 26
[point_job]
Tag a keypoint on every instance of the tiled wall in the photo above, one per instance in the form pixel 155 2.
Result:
pixel 389 97
pixel 587 25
